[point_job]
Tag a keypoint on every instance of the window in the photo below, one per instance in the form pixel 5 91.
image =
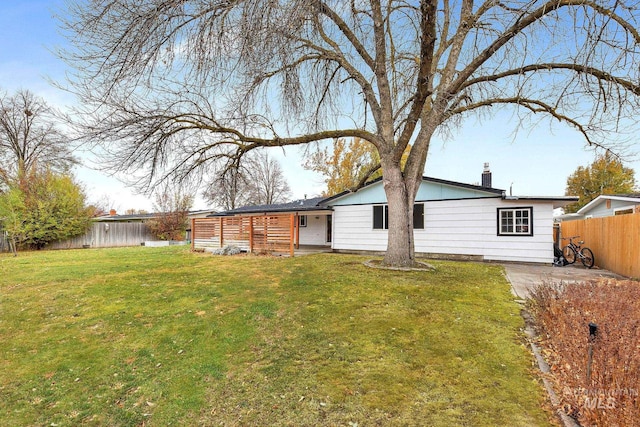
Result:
pixel 515 221
pixel 623 211
pixel 418 216
pixel 302 220
pixel 381 213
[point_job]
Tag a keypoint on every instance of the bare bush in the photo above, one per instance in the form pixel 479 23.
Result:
pixel 563 313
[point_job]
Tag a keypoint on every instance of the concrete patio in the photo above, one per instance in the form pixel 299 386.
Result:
pixel 525 277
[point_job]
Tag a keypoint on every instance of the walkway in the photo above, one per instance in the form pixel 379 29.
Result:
pixel 523 277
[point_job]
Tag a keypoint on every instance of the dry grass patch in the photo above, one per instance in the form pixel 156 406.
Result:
pixel 563 313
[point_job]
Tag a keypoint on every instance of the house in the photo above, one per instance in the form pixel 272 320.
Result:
pixel 313 220
pixel 607 205
pixel 115 217
pixel 451 220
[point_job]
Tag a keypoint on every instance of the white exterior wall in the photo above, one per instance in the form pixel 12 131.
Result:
pixel 315 233
pixel 601 210
pixel 459 227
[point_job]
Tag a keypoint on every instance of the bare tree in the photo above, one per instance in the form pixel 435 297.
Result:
pixel 228 189
pixel 169 86
pixel 267 183
pixel 258 181
pixel 30 135
pixel 172 204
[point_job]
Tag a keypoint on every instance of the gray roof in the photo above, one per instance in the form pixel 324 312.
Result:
pixel 630 196
pixel 294 206
pixel 125 218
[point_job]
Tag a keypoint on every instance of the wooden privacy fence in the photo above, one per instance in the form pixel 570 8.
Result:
pixel 260 233
pixel 4 242
pixel 108 235
pixel 614 240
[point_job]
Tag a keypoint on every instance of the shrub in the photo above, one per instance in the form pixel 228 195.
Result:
pixel 563 313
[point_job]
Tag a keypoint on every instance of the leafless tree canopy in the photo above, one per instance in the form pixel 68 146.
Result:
pixel 170 85
pixel 29 135
pixel 259 180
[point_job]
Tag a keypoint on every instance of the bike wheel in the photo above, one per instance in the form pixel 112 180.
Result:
pixel 569 254
pixel 587 257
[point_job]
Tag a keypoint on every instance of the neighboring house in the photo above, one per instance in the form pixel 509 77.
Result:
pixel 607 205
pixel 451 219
pixel 114 217
pixel 201 213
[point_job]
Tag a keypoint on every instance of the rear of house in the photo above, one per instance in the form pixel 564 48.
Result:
pixel 452 220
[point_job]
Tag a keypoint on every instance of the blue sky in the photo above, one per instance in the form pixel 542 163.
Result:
pixel 535 161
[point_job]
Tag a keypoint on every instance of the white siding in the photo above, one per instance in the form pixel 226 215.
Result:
pixel 353 229
pixel 458 227
pixel 315 233
pixel 602 211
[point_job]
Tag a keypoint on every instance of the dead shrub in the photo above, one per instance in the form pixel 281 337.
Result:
pixel 562 313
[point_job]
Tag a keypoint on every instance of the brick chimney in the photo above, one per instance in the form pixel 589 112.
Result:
pixel 112 212
pixel 486 176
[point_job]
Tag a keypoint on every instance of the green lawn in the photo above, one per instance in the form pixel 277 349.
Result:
pixel 162 336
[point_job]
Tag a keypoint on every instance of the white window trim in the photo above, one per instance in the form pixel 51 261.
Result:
pixel 632 208
pixel 529 231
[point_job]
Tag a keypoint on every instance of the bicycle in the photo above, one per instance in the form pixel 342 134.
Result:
pixel 575 250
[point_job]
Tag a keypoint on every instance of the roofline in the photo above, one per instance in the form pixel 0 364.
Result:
pixel 544 198
pixel 124 217
pixel 424 178
pixel 558 201
pixel 200 211
pixel 601 197
pixel 267 211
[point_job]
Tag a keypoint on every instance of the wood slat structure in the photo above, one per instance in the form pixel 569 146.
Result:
pixel 614 240
pixel 259 233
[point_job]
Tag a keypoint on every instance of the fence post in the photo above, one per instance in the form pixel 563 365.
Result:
pixel 221 233
pixel 297 229
pixel 251 218
pixel 265 236
pixel 291 231
pixel 593 333
pixel 193 234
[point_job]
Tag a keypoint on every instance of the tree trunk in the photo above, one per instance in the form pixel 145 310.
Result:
pixel 401 189
pixel 400 246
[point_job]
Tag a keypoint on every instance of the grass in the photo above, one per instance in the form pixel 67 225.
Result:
pixel 162 336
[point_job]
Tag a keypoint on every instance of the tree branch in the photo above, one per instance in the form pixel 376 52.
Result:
pixel 551 66
pixel 533 105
